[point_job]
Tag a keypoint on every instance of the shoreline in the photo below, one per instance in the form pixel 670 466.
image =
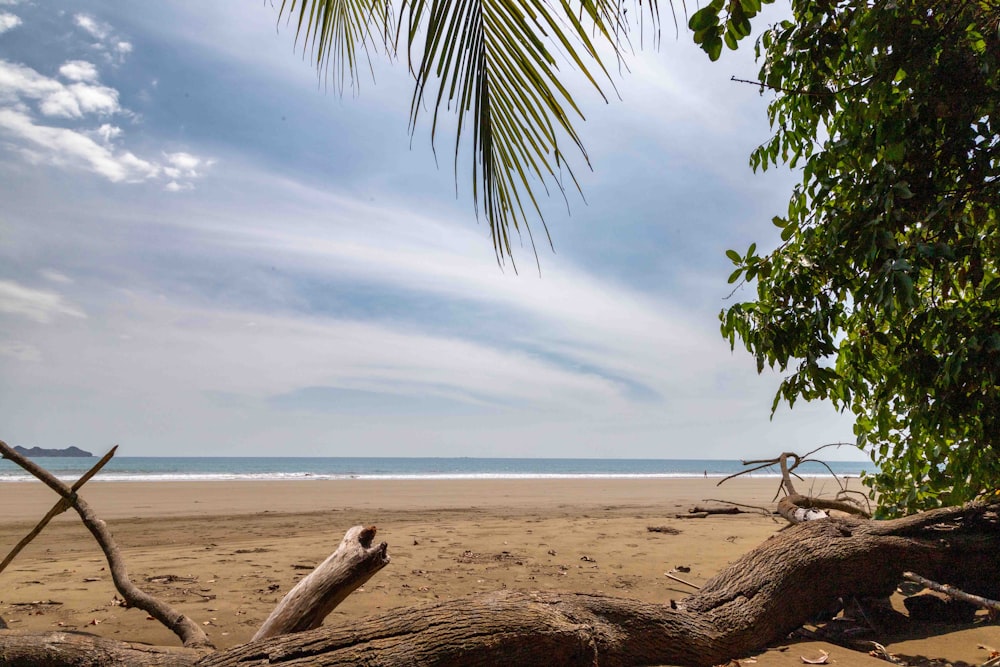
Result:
pixel 120 499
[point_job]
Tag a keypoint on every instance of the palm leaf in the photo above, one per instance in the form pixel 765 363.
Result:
pixel 493 63
pixel 337 32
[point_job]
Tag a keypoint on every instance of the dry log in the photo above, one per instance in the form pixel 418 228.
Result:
pixel 312 599
pixel 757 600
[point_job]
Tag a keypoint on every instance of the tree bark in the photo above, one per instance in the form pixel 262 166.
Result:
pixel 70 649
pixel 759 599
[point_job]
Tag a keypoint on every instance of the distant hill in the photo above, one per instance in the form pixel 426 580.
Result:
pixel 36 452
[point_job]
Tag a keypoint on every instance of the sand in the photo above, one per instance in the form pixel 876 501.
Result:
pixel 225 553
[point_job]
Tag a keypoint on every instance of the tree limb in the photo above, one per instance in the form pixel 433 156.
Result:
pixel 952 592
pixel 311 600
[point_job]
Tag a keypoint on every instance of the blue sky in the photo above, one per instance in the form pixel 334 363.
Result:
pixel 204 250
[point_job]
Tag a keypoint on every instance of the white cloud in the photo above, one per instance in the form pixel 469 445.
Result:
pixel 83 148
pixel 79 70
pixel 8 21
pixel 37 305
pixel 68 148
pixel 95 99
pixel 96 29
pixel 78 99
pixel 174 186
pixel 113 48
pixel 18 82
pixel 108 133
pixel 181 168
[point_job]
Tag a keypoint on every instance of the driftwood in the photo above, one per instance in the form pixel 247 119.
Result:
pixel 312 599
pixel 757 600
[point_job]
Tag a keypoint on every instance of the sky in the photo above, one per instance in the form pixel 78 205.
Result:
pixel 205 249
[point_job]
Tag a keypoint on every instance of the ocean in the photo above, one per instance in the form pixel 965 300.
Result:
pixel 211 469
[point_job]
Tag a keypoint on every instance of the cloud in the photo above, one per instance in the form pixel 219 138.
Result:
pixel 19 83
pixel 80 148
pixel 174 186
pixel 184 165
pixel 96 29
pixel 67 148
pixel 79 70
pixel 8 21
pixel 108 133
pixel 80 98
pixel 113 47
pixel 37 305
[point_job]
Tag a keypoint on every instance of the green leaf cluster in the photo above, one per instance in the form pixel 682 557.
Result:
pixel 884 294
pixel 720 22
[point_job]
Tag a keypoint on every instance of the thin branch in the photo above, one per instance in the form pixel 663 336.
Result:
pixel 952 592
pixel 797 91
pixel 767 464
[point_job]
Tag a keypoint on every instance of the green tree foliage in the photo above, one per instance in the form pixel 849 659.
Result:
pixel 884 294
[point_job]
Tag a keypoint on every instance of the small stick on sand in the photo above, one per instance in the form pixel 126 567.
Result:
pixel 686 583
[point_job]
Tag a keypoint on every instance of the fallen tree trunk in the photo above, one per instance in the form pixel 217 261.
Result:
pixel 757 600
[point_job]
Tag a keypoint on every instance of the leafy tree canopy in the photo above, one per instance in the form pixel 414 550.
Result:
pixel 884 295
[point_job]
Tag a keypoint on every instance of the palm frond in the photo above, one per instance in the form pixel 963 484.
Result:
pixel 336 33
pixel 496 65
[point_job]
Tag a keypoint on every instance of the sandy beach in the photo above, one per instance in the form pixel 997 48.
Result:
pixel 225 553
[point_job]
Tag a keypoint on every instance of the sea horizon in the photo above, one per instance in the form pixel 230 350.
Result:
pixel 315 468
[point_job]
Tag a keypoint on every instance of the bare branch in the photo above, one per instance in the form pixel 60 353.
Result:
pixel 954 593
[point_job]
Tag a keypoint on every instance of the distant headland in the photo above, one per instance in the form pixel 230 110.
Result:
pixel 36 452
